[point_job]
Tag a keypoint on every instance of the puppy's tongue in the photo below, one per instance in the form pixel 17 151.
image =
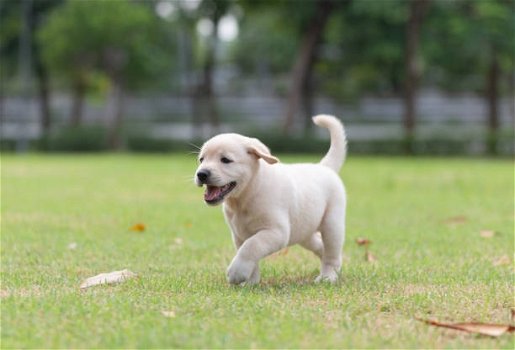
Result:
pixel 212 192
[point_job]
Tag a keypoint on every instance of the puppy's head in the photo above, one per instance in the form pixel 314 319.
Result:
pixel 227 163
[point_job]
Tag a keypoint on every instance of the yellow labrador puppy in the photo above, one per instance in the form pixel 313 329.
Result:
pixel 269 205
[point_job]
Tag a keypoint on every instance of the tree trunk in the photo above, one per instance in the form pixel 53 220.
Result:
pixel 492 95
pixel 117 98
pixel 417 11
pixel 196 111
pixel 78 92
pixel 189 86
pixel 2 114
pixel 511 84
pixel 307 104
pixel 44 97
pixel 303 67
pixel 207 85
pixel 25 69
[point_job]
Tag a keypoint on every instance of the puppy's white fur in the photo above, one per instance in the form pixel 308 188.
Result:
pixel 273 205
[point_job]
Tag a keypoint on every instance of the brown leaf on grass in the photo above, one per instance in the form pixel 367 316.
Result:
pixel 455 220
pixel 107 278
pixel 493 330
pixel 139 227
pixel 369 257
pixel 503 260
pixel 487 233
pixel 168 313
pixel 188 224
pixel 363 241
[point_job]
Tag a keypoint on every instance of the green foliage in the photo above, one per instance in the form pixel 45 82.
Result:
pixel 368 37
pixel 13 13
pixel 265 44
pixel 146 144
pixel 7 145
pixel 77 139
pixel 93 139
pixel 461 37
pixel 279 143
pixel 114 37
pixel 365 42
pixel 10 29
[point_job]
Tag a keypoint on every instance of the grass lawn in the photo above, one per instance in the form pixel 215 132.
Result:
pixel 428 266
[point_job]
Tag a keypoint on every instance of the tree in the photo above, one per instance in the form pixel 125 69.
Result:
pixel 27 17
pixel 417 12
pixel 293 33
pixel 213 11
pixel 107 37
pixel 497 19
pixel 265 47
pixel 311 29
pixel 364 50
pixel 470 49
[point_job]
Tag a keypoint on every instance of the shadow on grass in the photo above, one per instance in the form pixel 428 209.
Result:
pixel 288 283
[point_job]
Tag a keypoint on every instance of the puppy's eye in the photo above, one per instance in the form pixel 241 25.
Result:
pixel 225 160
pixel 201 160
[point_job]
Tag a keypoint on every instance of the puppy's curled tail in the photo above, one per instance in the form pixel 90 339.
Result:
pixel 336 155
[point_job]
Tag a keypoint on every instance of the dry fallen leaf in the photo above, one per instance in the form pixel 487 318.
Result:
pixel 188 224
pixel 178 241
pixel 493 330
pixel 139 227
pixel 487 233
pixel 72 246
pixel 460 219
pixel 363 241
pixel 503 260
pixel 107 278
pixel 169 314
pixel 369 257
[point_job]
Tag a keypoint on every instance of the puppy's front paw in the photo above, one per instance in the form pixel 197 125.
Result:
pixel 255 277
pixel 331 277
pixel 240 271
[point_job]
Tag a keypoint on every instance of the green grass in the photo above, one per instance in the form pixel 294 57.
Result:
pixel 426 268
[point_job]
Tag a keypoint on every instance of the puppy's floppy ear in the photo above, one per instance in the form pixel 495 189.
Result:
pixel 259 150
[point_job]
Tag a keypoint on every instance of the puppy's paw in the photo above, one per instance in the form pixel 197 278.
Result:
pixel 255 277
pixel 331 277
pixel 241 271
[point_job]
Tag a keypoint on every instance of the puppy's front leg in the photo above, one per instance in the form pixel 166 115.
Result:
pixel 244 267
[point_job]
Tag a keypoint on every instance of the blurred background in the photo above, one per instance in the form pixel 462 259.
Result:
pixel 406 77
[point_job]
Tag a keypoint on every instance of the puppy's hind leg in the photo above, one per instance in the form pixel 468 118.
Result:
pixel 333 236
pixel 314 244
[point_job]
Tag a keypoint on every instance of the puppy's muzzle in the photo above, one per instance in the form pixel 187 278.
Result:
pixel 203 175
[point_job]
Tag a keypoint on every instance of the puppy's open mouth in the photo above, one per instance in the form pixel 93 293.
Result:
pixel 214 194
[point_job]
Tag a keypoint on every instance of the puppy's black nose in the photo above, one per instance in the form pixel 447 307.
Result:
pixel 203 174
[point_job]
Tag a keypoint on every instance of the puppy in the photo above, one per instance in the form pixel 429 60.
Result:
pixel 269 205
